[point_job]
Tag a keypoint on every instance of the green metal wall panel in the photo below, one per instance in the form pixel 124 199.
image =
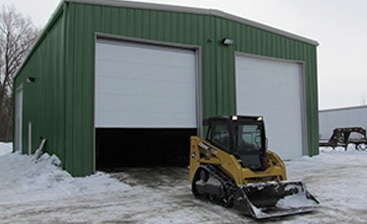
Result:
pixel 43 100
pixel 64 63
pixel 79 70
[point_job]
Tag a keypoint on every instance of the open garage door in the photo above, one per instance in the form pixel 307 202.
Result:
pixel 145 103
pixel 273 89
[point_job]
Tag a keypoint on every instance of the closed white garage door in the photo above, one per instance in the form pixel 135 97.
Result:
pixel 144 86
pixel 273 89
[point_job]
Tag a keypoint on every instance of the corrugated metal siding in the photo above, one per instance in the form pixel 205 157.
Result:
pixel 79 78
pixel 341 118
pixel 44 100
pixel 74 77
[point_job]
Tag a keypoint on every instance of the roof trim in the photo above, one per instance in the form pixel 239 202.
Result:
pixel 214 12
pixel 344 108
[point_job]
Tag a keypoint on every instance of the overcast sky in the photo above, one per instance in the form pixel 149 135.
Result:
pixel 340 27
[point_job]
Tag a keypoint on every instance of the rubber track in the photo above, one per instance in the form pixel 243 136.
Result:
pixel 228 184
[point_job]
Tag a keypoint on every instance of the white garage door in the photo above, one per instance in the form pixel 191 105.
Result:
pixel 273 89
pixel 144 86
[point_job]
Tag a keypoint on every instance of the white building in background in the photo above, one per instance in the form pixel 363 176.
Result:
pixel 341 118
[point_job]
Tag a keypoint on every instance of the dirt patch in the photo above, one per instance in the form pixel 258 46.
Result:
pixel 157 177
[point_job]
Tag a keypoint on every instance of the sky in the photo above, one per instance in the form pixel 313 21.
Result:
pixel 339 26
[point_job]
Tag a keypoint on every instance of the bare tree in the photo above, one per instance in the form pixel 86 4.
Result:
pixel 17 36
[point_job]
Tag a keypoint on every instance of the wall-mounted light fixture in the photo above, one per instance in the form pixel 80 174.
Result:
pixel 227 41
pixel 31 79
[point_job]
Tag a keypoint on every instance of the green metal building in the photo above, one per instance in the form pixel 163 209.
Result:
pixel 116 83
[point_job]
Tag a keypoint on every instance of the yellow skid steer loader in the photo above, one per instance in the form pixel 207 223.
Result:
pixel 232 167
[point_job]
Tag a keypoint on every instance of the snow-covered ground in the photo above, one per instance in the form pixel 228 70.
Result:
pixel 37 191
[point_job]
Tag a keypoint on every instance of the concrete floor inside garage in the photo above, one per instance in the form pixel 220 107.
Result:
pixel 136 147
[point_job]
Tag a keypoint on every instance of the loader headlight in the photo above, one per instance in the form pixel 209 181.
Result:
pixel 259 118
pixel 234 118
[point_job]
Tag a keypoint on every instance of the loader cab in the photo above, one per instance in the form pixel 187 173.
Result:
pixel 242 136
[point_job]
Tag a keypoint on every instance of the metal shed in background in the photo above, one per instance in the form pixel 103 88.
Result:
pixel 124 83
pixel 341 118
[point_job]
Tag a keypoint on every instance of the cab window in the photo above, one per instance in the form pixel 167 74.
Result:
pixel 249 138
pixel 219 135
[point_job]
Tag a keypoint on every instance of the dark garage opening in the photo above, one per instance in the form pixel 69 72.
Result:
pixel 136 147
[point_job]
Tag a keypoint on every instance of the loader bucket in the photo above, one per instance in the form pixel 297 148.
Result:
pixel 274 199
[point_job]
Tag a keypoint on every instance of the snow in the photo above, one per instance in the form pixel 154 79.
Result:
pixel 38 191
pixel 296 201
pixel 5 148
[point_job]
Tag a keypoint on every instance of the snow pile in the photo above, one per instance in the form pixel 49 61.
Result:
pixel 25 179
pixel 296 201
pixel 5 148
